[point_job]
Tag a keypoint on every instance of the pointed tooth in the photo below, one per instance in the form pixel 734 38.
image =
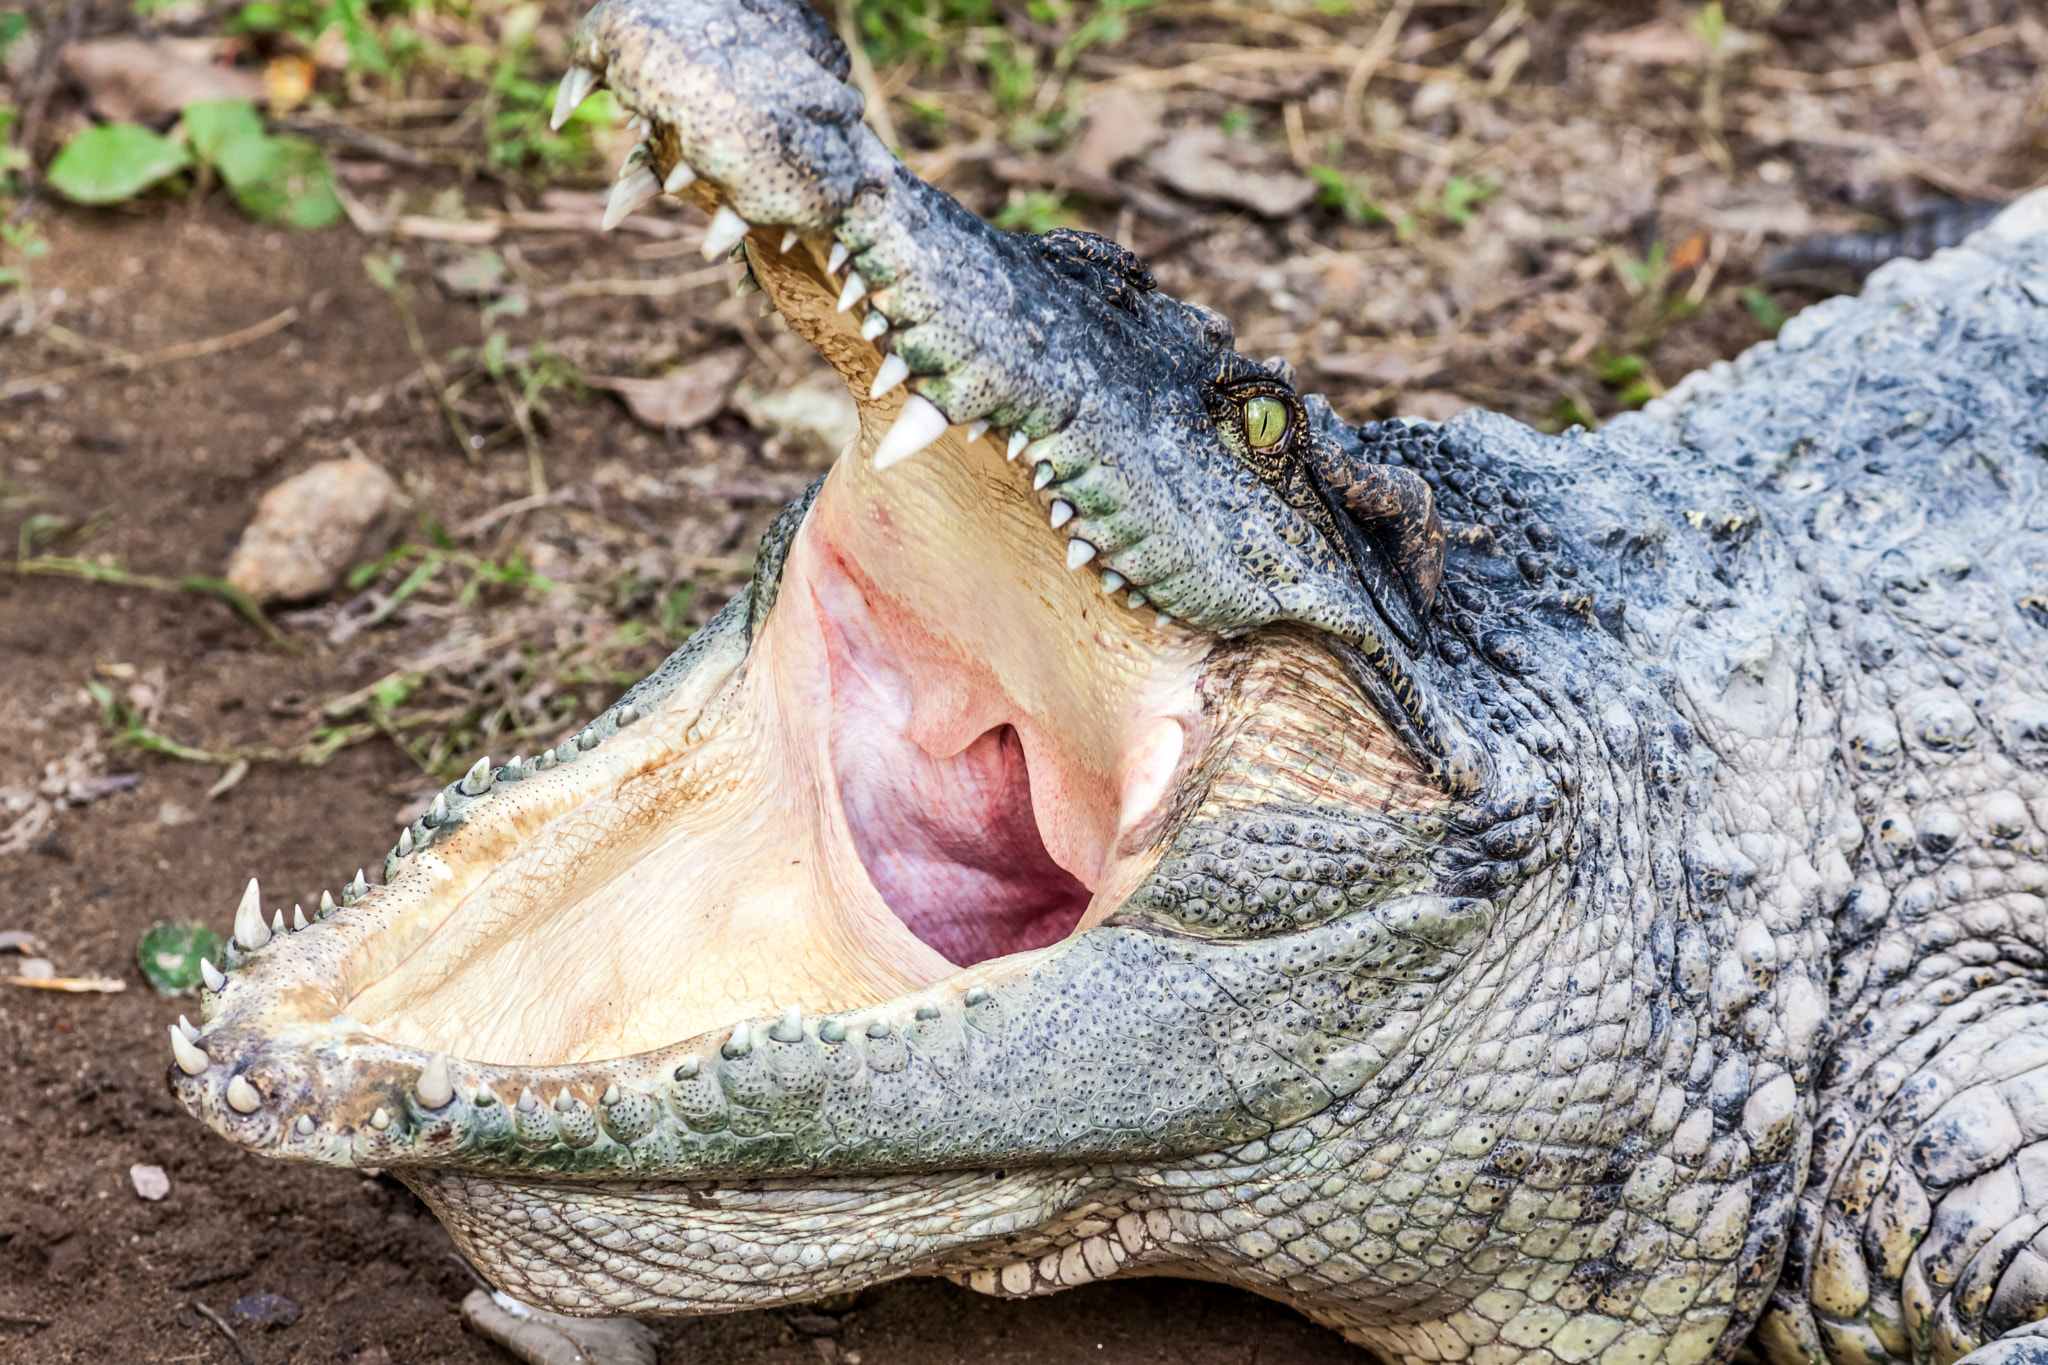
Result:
pixel 1136 599
pixel 1041 476
pixel 1162 619
pixel 405 841
pixel 740 1044
pixel 243 1097
pixel 298 919
pixel 211 975
pixel 191 1058
pixel 895 369
pixel 380 1120
pixel 679 177
pixel 575 88
pixel 484 1097
pixel 303 1125
pixel 873 325
pixel 185 1027
pixel 1111 581
pixel 1079 552
pixel 477 780
pixel 640 124
pixel 251 932
pixel 629 194
pixel 724 233
pixel 790 238
pixel 277 921
pixel 747 285
pixel 438 812
pixel 917 426
pixel 977 429
pixel 836 258
pixel 564 1102
pixel 790 1027
pixel 327 906
pixel 611 1094
pixel 527 1102
pixel 635 158
pixel 1062 513
pixel 855 288
pixel 435 1087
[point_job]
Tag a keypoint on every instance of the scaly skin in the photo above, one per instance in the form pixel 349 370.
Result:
pixel 1649 949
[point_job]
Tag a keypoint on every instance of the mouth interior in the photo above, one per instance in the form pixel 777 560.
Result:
pixel 933 758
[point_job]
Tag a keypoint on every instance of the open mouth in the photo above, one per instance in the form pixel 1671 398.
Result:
pixel 933 757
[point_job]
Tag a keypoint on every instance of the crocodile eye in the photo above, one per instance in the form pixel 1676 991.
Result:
pixel 1265 422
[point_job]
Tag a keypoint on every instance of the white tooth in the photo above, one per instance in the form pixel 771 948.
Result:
pixel 277 922
pixel 298 919
pixel 629 194
pixel 1062 513
pixel 725 231
pixel 640 124
pixel 917 426
pixel 435 1087
pixel 405 842
pixel 895 369
pixel 527 1103
pixel 380 1120
pixel 634 159
pixel 837 258
pixel 1041 476
pixel 1111 581
pixel 1136 599
pixel 327 906
pixel 855 288
pixel 679 176
pixel 250 930
pixel 1079 552
pixel 304 1126
pixel 575 88
pixel 210 974
pixel 977 429
pixel 185 1027
pixel 1018 440
pixel 789 239
pixel 243 1097
pixel 611 1094
pixel 478 780
pixel 191 1060
pixel 1162 619
pixel 873 325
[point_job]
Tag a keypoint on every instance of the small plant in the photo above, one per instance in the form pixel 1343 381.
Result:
pixel 1629 375
pixel 1350 195
pixel 1763 309
pixel 274 179
pixel 20 244
pixel 1034 211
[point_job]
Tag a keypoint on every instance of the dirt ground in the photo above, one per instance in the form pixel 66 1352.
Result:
pixel 1612 251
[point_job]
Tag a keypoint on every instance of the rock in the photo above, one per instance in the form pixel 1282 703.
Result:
pixel 682 398
pixel 264 1310
pixel 823 417
pixel 539 1337
pixel 1433 405
pixel 150 1181
pixel 307 530
pixel 1202 163
pixel 127 80
pixel 37 969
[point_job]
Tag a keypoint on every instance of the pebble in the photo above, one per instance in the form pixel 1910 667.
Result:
pixel 150 1181
pixel 264 1310
pixel 307 530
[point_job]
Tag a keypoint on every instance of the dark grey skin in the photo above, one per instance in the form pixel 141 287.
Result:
pixel 1688 987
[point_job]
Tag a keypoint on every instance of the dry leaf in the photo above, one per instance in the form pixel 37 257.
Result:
pixel 126 80
pixel 680 399
pixel 1121 125
pixel 1204 164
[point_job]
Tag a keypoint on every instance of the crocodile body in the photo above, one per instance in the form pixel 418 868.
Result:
pixel 1517 898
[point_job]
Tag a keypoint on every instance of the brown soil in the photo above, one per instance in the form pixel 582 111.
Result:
pixel 646 532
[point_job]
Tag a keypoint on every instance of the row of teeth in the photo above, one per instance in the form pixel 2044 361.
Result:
pixel 920 423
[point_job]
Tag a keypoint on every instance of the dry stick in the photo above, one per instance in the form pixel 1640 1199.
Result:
pixel 1368 62
pixel 864 77
pixel 1923 46
pixel 220 1325
pixel 190 350
pixel 1848 78
pixel 61 566
pixel 432 369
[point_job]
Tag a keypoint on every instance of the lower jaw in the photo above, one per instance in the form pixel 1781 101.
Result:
pixel 920 767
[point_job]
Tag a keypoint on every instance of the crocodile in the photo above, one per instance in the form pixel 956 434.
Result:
pixel 1513 897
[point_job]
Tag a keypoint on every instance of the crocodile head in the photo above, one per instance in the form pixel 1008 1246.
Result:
pixel 1120 828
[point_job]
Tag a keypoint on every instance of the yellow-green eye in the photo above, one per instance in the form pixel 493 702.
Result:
pixel 1265 422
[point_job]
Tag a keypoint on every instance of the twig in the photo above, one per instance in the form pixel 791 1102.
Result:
pixel 426 663
pixel 385 275
pixel 24 1320
pixel 46 76
pixel 76 985
pixel 667 286
pixel 1849 78
pixel 211 1277
pixel 190 350
pixel 1923 46
pixel 1368 62
pixel 220 1325
pixel 369 144
pixel 61 566
pixel 864 77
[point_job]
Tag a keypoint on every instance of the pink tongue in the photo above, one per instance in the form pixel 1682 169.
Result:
pixel 951 843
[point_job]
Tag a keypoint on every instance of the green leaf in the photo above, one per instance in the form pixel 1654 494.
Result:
pixel 169 955
pixel 114 161
pixel 1764 309
pixel 211 125
pixel 281 179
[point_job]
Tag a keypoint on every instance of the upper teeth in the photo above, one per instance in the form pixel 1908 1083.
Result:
pixel 575 88
pixel 724 233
